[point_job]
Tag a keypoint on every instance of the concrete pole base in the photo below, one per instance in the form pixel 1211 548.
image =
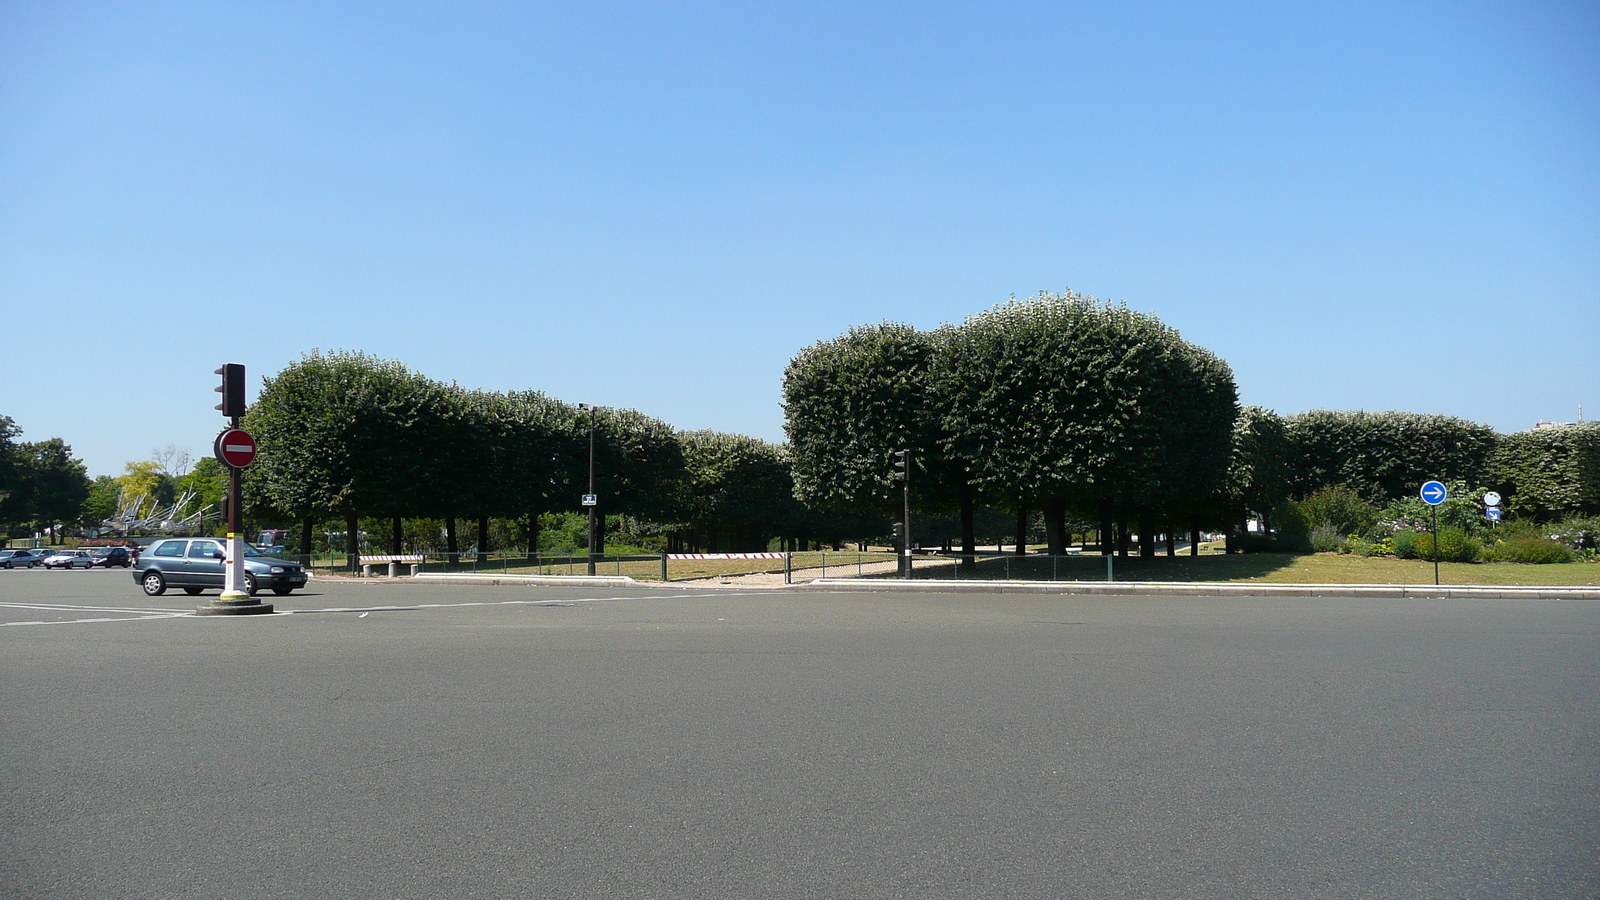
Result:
pixel 235 605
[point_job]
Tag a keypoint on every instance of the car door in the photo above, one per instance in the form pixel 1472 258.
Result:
pixel 204 564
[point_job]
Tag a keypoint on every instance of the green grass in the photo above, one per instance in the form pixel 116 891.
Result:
pixel 1272 568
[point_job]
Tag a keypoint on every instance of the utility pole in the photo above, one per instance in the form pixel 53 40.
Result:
pixel 590 499
pixel 902 474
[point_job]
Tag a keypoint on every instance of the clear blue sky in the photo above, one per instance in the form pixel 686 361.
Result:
pixel 1388 205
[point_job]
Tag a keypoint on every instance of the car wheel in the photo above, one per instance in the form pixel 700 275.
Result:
pixel 191 591
pixel 153 584
pixel 249 584
pixel 282 591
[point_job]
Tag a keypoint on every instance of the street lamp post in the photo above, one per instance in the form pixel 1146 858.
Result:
pixel 590 499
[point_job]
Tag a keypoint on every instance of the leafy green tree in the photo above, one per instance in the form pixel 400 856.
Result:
pixel 346 434
pixel 16 501
pixel 1064 401
pixel 101 504
pixel 60 484
pixel 1550 473
pixel 1385 455
pixel 849 404
pixel 737 491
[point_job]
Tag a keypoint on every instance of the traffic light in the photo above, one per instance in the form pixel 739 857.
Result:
pixel 232 390
pixel 899 532
pixel 902 465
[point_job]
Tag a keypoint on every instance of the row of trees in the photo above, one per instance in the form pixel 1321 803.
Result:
pixel 42 486
pixel 347 436
pixel 1089 411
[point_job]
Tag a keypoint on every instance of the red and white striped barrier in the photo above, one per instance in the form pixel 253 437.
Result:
pixel 724 556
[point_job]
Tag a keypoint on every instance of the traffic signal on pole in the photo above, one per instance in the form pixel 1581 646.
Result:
pixel 902 465
pixel 232 390
pixel 899 532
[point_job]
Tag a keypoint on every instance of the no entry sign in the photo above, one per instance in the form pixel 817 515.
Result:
pixel 236 448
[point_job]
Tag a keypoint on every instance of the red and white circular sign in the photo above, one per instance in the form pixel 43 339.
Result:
pixel 236 448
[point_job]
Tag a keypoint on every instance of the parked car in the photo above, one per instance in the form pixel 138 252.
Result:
pixel 69 559
pixel 12 559
pixel 195 564
pixel 111 556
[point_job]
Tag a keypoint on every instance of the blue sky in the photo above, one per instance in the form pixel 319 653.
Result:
pixel 1358 205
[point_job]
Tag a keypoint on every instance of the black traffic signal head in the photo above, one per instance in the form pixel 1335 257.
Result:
pixel 899 530
pixel 232 390
pixel 902 465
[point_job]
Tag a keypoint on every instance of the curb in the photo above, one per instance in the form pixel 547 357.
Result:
pixel 1217 589
pixel 598 580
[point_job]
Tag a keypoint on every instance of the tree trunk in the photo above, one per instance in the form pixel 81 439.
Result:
pixel 599 534
pixel 969 540
pixel 483 537
pixel 451 548
pixel 1123 540
pixel 1107 532
pixel 533 534
pixel 1194 540
pixel 395 537
pixel 1172 541
pixel 306 526
pixel 1022 528
pixel 1055 518
pixel 1147 534
pixel 352 541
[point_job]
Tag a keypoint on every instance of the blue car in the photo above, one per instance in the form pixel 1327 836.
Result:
pixel 195 564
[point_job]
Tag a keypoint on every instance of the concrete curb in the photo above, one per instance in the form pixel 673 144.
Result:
pixel 577 580
pixel 1215 589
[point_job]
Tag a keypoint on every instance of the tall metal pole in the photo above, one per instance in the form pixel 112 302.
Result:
pixel 906 519
pixel 591 489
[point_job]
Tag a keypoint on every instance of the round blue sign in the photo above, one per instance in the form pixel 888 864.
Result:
pixel 1433 493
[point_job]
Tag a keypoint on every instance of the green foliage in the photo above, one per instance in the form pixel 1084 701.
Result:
pixel 1326 539
pixel 1405 544
pixel 1550 473
pixel 1259 466
pixel 1386 455
pixel 1064 397
pixel 1455 545
pixel 737 490
pixel 1531 550
pixel 1292 533
pixel 1340 508
pixel 849 404
pixel 1462 509
pixel 101 504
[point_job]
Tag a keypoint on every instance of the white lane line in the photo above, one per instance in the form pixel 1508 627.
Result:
pixel 65 607
pixel 99 620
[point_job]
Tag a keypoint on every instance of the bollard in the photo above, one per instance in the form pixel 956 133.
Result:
pixel 366 570
pixel 394 569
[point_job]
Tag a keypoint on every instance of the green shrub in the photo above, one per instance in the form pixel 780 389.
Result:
pixel 1532 550
pixel 1341 508
pixel 1384 547
pixel 1404 544
pixel 1455 545
pixel 1325 539
pixel 1291 534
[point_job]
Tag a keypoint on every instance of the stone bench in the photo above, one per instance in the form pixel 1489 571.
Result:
pixel 394 561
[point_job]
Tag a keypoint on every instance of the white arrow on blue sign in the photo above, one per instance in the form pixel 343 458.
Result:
pixel 1493 513
pixel 1433 493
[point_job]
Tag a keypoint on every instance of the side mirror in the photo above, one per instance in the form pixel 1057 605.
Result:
pixel 218 554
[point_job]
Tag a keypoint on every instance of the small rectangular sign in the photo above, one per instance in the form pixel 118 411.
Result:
pixel 591 500
pixel 1492 513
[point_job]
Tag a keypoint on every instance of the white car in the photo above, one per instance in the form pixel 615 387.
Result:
pixel 69 559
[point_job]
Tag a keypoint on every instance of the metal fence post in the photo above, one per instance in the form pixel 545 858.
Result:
pixel 1109 558
pixel 663 567
pixel 788 567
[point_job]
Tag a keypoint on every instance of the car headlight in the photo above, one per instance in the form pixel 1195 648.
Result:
pixel 277 570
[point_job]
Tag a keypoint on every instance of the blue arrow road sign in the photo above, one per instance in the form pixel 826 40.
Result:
pixel 1493 513
pixel 1433 493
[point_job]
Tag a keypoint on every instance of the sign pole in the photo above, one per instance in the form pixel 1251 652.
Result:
pixel 1436 546
pixel 235 449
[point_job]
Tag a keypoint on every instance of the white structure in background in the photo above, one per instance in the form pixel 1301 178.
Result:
pixel 1546 424
pixel 143 514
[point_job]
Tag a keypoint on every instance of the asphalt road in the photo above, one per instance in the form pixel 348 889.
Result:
pixel 493 742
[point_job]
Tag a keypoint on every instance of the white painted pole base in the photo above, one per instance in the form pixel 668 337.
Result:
pixel 233 570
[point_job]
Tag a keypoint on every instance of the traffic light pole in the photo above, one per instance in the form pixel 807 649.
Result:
pixel 234 600
pixel 902 465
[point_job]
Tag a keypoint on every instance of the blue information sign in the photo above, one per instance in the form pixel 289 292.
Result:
pixel 1493 513
pixel 1433 493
